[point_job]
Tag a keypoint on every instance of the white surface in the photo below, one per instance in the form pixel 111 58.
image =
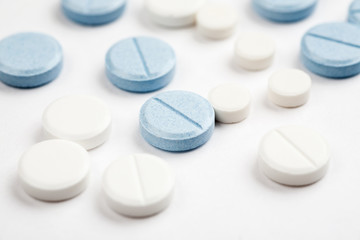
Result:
pixel 294 155
pixel 54 170
pixel 173 13
pixel 220 192
pixel 217 20
pixel 83 119
pixel 231 102
pixel 254 50
pixel 289 87
pixel 138 185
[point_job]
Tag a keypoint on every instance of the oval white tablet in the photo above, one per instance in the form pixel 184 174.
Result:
pixel 173 13
pixel 289 88
pixel 83 119
pixel 294 156
pixel 54 170
pixel 254 51
pixel 231 102
pixel 138 185
pixel 217 20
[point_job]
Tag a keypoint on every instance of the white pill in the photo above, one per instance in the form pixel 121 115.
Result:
pixel 231 102
pixel 289 88
pixel 254 51
pixel 294 156
pixel 217 20
pixel 82 119
pixel 138 185
pixel 173 13
pixel 54 170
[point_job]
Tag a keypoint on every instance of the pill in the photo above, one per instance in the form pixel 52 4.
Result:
pixel 294 156
pixel 217 20
pixel 231 102
pixel 140 64
pixel 254 51
pixel 173 13
pixel 29 60
pixel 354 13
pixel 289 88
pixel 54 170
pixel 284 10
pixel 83 119
pixel 177 121
pixel 138 185
pixel 93 12
pixel 332 50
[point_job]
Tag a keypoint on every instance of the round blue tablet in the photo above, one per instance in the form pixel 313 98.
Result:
pixel 29 60
pixel 284 10
pixel 332 50
pixel 177 121
pixel 354 12
pixel 140 64
pixel 93 12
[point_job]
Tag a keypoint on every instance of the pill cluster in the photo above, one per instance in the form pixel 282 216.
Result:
pixel 141 185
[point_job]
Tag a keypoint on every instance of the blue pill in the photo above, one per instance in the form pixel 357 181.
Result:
pixel 332 50
pixel 140 64
pixel 29 60
pixel 284 10
pixel 354 12
pixel 93 12
pixel 177 121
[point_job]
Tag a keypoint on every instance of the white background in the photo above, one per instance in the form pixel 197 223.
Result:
pixel 220 193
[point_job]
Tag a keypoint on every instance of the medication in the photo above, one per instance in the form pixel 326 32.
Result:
pixel 29 60
pixel 54 170
pixel 140 64
pixel 254 51
pixel 138 185
pixel 83 119
pixel 231 102
pixel 173 13
pixel 354 13
pixel 217 20
pixel 94 12
pixel 332 50
pixel 289 88
pixel 284 10
pixel 294 156
pixel 177 121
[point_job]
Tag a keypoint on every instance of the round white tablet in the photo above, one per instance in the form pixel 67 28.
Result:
pixel 254 51
pixel 294 156
pixel 54 170
pixel 289 88
pixel 217 20
pixel 231 102
pixel 138 185
pixel 83 119
pixel 173 13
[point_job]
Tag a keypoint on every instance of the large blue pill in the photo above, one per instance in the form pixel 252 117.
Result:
pixel 177 121
pixel 332 50
pixel 354 13
pixel 93 12
pixel 284 10
pixel 140 64
pixel 29 60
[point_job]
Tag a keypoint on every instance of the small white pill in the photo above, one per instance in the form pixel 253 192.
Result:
pixel 294 156
pixel 217 20
pixel 138 185
pixel 173 13
pixel 231 102
pixel 82 119
pixel 54 170
pixel 289 88
pixel 254 51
